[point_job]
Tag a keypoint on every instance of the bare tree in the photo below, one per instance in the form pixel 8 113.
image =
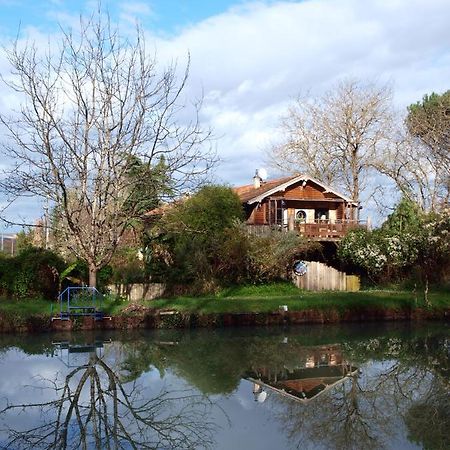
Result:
pixel 90 107
pixel 337 137
pixel 92 408
pixel 416 172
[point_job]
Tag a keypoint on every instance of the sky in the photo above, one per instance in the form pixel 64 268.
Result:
pixel 249 60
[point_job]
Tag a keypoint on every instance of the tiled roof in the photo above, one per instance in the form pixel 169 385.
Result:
pixel 248 191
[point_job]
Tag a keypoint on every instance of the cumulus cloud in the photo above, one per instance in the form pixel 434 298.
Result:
pixel 133 11
pixel 251 60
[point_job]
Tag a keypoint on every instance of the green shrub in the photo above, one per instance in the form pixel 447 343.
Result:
pixel 33 272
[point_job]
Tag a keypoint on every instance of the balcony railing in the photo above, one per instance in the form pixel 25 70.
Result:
pixel 320 229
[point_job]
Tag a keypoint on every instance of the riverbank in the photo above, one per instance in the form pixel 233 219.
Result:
pixel 252 305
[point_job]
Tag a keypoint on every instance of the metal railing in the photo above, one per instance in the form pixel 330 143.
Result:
pixel 80 301
pixel 318 229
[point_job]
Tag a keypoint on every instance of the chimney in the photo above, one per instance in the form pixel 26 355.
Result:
pixel 257 180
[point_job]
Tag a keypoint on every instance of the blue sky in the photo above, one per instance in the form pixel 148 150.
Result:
pixel 165 16
pixel 250 59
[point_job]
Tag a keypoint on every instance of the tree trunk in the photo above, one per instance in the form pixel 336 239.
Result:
pixel 425 292
pixel 92 276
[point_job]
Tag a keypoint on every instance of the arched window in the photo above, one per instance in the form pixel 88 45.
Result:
pixel 300 216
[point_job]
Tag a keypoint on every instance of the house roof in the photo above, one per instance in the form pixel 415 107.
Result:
pixel 249 194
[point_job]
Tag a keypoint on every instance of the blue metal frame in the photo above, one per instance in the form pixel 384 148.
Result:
pixel 68 309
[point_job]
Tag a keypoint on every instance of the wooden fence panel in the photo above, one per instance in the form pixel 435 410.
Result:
pixel 320 277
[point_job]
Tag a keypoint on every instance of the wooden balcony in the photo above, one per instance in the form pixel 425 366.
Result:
pixel 321 230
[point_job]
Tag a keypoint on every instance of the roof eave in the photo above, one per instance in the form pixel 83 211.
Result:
pixel 283 186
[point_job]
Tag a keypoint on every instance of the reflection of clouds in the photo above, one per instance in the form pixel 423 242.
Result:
pixel 21 368
pixel 89 404
pixel 244 401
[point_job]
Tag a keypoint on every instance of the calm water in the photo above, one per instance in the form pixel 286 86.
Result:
pixel 344 387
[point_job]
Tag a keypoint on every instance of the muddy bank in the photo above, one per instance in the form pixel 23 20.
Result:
pixel 172 319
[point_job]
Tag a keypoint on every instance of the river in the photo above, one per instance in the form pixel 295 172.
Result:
pixel 358 386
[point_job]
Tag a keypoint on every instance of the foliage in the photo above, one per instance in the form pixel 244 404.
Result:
pixel 127 266
pixel 268 257
pixel 362 248
pixel 24 240
pixel 211 210
pixel 185 245
pixel 33 272
pixel 203 243
pixel 407 217
pixel 409 240
pixel 108 159
pixel 149 183
pixel 429 120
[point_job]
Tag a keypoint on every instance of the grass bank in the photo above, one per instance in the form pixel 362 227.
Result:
pixel 267 298
pixel 257 299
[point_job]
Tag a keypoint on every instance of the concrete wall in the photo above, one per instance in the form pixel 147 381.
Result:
pixel 135 292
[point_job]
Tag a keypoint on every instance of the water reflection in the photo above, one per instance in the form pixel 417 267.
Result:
pixel 92 407
pixel 403 384
pixel 316 370
pixel 315 387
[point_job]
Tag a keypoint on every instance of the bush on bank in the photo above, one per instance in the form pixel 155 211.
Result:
pixel 34 272
pixel 201 243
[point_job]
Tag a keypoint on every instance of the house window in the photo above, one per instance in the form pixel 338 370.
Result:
pixel 300 216
pixel 321 215
pixel 280 209
pixel 276 212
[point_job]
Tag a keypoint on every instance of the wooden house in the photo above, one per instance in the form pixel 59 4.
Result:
pixel 299 203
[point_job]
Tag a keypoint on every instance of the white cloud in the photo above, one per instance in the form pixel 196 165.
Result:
pixel 252 60
pixel 132 12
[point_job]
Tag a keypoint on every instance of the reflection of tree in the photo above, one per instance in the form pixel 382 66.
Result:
pixel 366 411
pixel 339 420
pixel 428 420
pixel 213 365
pixel 93 409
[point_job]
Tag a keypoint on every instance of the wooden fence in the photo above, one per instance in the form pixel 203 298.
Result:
pixel 320 277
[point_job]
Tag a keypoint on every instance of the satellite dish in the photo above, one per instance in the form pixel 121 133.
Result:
pixel 262 174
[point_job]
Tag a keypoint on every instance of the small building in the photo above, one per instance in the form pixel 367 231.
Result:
pixel 298 203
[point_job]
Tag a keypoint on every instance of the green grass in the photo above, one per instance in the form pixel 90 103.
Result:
pixel 268 298
pixel 25 308
pixel 264 298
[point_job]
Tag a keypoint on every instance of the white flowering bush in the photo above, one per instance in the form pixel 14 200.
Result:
pixel 409 239
pixel 363 249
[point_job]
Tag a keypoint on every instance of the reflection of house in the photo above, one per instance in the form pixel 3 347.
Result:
pixel 299 203
pixel 318 370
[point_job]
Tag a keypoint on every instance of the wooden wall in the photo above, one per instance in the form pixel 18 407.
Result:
pixel 320 277
pixel 258 215
pixel 309 191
